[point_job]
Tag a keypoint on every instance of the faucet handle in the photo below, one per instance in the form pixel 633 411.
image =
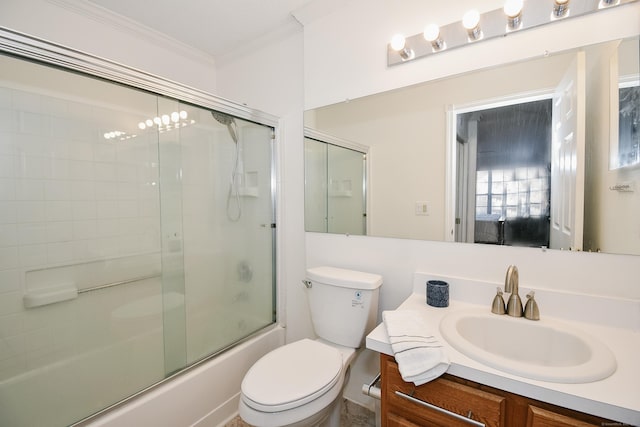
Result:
pixel 531 310
pixel 498 306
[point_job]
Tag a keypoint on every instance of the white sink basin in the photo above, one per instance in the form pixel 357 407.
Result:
pixel 540 350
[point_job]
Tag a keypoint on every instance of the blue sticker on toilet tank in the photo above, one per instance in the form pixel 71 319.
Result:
pixel 357 299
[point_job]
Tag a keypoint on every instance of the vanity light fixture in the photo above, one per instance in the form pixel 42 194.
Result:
pixel 475 27
pixel 432 35
pixel 398 44
pixel 560 8
pixel 117 134
pixel 165 122
pixel 513 10
pixel 471 21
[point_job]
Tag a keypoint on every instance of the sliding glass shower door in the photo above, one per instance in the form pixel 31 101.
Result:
pixel 136 238
pixel 227 229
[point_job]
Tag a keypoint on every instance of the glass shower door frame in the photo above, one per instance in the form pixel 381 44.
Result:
pixel 23 46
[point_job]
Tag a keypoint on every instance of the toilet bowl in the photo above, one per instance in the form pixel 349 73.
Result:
pixel 301 383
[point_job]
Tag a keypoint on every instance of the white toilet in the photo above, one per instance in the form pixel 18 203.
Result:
pixel 300 384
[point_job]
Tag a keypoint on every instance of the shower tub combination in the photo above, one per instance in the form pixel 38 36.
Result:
pixel 136 235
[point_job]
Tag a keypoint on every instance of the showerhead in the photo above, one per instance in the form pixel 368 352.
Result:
pixel 233 196
pixel 228 121
pixel 222 118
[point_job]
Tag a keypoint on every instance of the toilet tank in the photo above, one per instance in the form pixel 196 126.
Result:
pixel 343 304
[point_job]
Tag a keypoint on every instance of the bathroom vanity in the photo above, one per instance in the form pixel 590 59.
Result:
pixel 480 393
pixel 446 399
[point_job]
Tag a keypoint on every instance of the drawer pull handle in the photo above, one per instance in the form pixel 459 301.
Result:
pixel 439 409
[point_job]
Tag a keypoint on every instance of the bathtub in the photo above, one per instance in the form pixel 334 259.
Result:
pixel 203 396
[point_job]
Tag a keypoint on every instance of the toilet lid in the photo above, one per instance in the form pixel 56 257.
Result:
pixel 291 376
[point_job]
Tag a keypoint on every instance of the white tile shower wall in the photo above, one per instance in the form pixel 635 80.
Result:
pixel 68 197
pixel 126 346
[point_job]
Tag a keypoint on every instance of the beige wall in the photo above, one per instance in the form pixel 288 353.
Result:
pixel 407 132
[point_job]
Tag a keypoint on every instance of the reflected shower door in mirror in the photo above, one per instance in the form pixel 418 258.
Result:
pixel 335 185
pixel 409 132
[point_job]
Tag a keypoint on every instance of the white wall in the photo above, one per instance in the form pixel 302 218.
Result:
pixel 90 29
pixel 345 58
pixel 345 52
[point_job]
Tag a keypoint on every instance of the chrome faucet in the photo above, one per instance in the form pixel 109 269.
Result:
pixel 514 305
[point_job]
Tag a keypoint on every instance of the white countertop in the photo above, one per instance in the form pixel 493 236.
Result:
pixel 616 397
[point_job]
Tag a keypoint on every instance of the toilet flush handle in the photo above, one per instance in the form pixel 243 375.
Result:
pixel 307 283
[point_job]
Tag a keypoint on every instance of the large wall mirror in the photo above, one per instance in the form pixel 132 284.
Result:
pixel 539 153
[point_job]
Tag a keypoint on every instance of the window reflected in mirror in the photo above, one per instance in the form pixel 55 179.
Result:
pixel 504 174
pixel 629 125
pixel 625 93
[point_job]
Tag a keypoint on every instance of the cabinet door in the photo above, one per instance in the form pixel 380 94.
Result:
pixel 442 402
pixel 538 417
pixel 394 420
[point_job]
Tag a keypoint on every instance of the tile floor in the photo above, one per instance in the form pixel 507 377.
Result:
pixel 352 415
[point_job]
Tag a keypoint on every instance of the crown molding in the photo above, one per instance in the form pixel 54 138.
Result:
pixel 285 31
pixel 133 28
pixel 47 52
pixel 317 9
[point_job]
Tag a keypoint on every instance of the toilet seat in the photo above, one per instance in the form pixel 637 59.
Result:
pixel 291 376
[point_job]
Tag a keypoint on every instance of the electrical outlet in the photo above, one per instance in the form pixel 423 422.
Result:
pixel 422 208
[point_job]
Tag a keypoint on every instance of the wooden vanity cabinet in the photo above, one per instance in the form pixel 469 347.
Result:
pixel 450 401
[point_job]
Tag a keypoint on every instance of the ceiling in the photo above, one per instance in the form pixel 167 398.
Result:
pixel 213 26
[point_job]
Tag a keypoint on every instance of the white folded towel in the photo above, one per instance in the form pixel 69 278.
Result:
pixel 419 354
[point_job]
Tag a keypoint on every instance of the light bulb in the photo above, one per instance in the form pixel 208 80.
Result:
pixel 432 35
pixel 513 8
pixel 157 121
pixel 606 3
pixel 166 119
pixel 142 126
pixel 175 117
pixel 149 122
pixel 183 114
pixel 471 19
pixel 397 42
pixel 431 32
